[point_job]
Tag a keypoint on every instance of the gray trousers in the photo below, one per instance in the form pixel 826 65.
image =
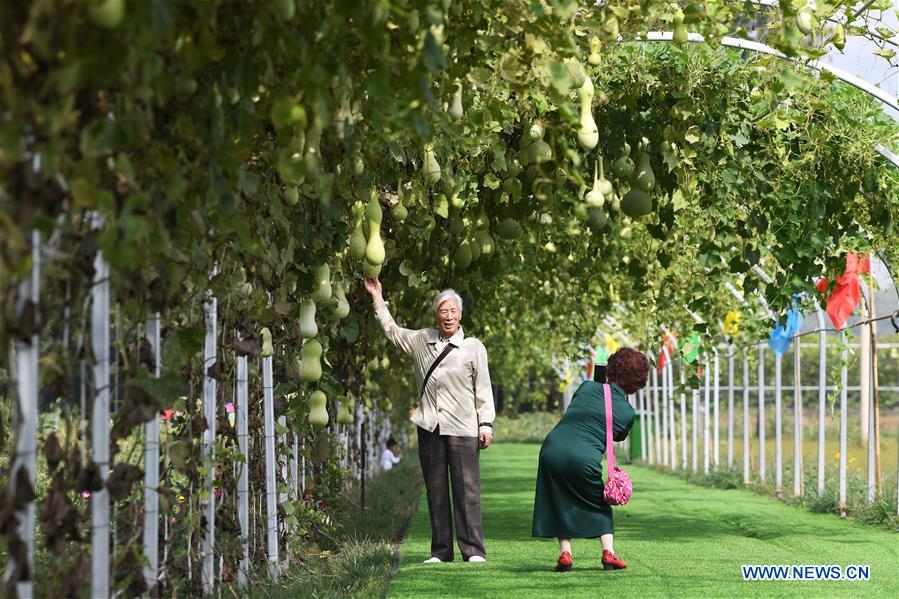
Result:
pixel 458 456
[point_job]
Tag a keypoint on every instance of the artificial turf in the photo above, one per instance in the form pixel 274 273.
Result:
pixel 680 540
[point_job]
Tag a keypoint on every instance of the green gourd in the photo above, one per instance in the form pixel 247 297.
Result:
pixel 318 412
pixel 291 195
pixel 455 109
pixel 644 178
pixel 308 328
pixel 636 203
pixel 357 237
pixel 430 166
pixel 484 240
pixel 107 14
pixel 588 133
pixel 358 164
pixel 268 350
pixel 344 416
pixel 399 212
pixel 595 197
pixel 374 250
pixel 343 306
pixel 805 20
pixel 456 225
pixel 540 151
pixel 370 270
pixel 285 8
pixel 462 256
pixel 537 130
pixel 596 218
pixel 680 36
pixel 576 72
pixel 475 249
pixel 623 167
pixel 310 361
pixel 604 185
pixel 595 46
pixel 322 286
pixel 509 229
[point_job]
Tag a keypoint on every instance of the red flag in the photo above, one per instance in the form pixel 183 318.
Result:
pixel 844 298
pixel 662 359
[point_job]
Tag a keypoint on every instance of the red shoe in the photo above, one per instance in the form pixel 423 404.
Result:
pixel 564 563
pixel 610 561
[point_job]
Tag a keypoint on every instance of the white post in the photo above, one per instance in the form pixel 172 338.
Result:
pixel 294 466
pixel 683 420
pixel 151 466
pixel 844 383
pixel 864 354
pixel 705 417
pixel 730 406
pixel 716 453
pixel 746 469
pixel 268 406
pixel 653 418
pixel 822 397
pixel 695 431
pixel 100 424
pixel 672 431
pixel 27 377
pixel 778 424
pixel 762 411
pixel 797 419
pixel 866 378
pixel 664 415
pixel 243 481
pixel 641 401
pixel 210 313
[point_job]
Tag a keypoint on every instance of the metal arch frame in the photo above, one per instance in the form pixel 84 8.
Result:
pixel 817 65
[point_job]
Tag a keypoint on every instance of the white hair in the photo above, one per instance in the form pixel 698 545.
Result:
pixel 446 295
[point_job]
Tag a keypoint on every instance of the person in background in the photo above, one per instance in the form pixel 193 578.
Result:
pixel 391 454
pixel 568 502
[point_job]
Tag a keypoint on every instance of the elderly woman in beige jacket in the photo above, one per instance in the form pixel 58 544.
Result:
pixel 454 418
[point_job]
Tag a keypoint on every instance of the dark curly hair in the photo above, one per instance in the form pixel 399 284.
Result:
pixel 628 369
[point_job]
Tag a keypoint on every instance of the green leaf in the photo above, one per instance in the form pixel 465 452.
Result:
pixel 350 332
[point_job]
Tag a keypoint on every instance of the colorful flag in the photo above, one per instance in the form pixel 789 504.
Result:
pixel 662 359
pixel 843 299
pixel 611 345
pixel 732 324
pixel 689 348
pixel 782 334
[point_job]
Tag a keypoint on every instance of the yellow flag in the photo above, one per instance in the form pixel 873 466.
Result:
pixel 611 345
pixel 732 324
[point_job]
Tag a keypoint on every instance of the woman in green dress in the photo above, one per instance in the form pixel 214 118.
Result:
pixel 569 499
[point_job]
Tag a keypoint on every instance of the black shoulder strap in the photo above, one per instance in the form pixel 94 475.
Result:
pixel 446 350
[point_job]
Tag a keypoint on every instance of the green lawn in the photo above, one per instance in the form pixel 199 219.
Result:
pixel 679 540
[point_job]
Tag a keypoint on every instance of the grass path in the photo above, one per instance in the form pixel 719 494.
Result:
pixel 680 540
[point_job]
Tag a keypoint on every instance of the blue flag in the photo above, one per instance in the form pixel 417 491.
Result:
pixel 779 340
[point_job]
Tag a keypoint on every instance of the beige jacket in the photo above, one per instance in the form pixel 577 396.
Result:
pixel 458 396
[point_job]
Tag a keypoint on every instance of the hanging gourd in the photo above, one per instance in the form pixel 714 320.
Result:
pixel 644 178
pixel 455 109
pixel 357 237
pixel 595 46
pixel 462 256
pixel 310 361
pixel 374 250
pixel 680 36
pixel 595 197
pixel 308 328
pixel 538 151
pixel 343 306
pixel 268 349
pixel 623 167
pixel 344 413
pixel 588 133
pixel 430 166
pixel 509 229
pixel 322 283
pixel 318 412
pixel 484 241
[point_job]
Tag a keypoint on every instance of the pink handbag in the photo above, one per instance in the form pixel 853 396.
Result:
pixel 619 488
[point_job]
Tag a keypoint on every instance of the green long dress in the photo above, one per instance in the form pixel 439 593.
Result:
pixel 568 502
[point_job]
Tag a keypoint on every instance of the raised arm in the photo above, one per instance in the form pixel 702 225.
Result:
pixel 400 337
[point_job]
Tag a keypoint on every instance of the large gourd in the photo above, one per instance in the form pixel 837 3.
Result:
pixel 680 36
pixel 455 109
pixel 344 415
pixel 308 328
pixel 595 46
pixel 310 361
pixel 322 277
pixel 343 306
pixel 588 133
pixel 374 251
pixel 484 241
pixel 595 196
pixel 636 203
pixel 644 178
pixel 462 257
pixel 430 166
pixel 357 237
pixel 268 349
pixel 623 167
pixel 370 270
pixel 318 412
pixel 509 229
